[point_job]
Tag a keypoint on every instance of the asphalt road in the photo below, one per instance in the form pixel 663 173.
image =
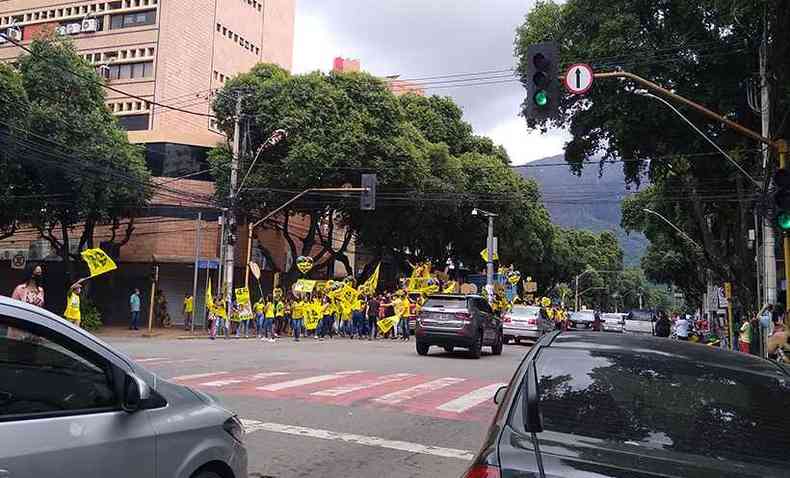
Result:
pixel 342 408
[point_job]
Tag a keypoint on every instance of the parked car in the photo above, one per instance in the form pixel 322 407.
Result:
pixel 640 322
pixel 613 322
pixel 454 320
pixel 588 404
pixel 525 322
pixel 582 319
pixel 72 406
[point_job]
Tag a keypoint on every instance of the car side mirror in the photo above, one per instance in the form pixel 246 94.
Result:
pixel 499 396
pixel 533 419
pixel 135 391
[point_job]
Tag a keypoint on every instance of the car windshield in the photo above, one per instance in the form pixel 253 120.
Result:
pixel 525 312
pixel 446 303
pixel 644 402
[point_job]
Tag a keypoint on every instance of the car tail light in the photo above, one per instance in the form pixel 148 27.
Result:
pixel 532 321
pixel 506 319
pixel 463 316
pixel 483 471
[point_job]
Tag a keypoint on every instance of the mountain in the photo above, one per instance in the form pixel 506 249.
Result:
pixel 590 201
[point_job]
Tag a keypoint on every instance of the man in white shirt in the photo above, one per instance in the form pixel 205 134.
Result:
pixel 682 328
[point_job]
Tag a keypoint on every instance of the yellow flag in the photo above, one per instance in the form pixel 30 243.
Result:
pixel 98 261
pixel 388 323
pixel 209 296
pixel 370 285
pixel 484 255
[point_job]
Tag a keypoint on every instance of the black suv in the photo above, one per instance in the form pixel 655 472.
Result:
pixel 465 321
pixel 589 404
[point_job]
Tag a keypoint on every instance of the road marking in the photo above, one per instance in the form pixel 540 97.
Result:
pixel 255 425
pixel 345 389
pixel 197 375
pixel 274 387
pixel 417 390
pixel 261 376
pixel 472 399
pixel 219 383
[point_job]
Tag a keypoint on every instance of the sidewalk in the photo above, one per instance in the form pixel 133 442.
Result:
pixel 119 331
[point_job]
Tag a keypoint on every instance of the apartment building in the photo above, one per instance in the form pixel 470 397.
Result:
pixel 171 52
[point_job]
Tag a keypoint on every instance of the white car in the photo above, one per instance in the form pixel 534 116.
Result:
pixel 525 322
pixel 640 322
pixel 613 322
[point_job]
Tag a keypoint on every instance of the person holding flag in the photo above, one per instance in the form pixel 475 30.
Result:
pixel 72 312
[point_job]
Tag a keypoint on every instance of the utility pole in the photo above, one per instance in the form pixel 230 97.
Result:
pixel 231 214
pixel 490 261
pixel 769 241
pixel 197 269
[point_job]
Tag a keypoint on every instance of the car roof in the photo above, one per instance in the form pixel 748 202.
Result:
pixel 455 296
pixel 664 348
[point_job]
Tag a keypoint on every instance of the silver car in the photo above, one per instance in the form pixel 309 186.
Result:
pixel 640 322
pixel 72 406
pixel 582 319
pixel 525 322
pixel 613 322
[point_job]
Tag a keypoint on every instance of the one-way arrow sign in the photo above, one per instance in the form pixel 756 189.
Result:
pixel 579 79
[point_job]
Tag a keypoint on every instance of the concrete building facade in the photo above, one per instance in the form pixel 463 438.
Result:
pixel 176 53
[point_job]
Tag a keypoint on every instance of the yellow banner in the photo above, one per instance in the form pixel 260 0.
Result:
pixel 98 261
pixel 304 286
pixel 387 323
pixel 243 303
pixel 484 255
pixel 370 285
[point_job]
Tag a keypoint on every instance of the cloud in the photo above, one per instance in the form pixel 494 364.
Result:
pixel 417 39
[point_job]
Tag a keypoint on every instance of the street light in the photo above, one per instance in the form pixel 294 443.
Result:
pixel 679 231
pixel 489 248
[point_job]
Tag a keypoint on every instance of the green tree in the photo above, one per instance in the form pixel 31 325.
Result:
pixel 77 159
pixel 15 188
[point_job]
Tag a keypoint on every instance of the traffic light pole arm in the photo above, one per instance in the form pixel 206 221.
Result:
pixel 257 223
pixel 777 145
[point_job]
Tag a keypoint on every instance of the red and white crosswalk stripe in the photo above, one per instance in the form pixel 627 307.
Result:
pixel 417 390
pixel 351 388
pixel 470 400
pixel 275 387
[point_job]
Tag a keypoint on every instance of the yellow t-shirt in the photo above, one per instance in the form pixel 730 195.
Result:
pixel 270 310
pixel 258 307
pixel 188 305
pixel 72 312
pixel 298 310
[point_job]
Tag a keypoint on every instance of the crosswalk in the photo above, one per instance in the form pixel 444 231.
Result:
pixel 444 397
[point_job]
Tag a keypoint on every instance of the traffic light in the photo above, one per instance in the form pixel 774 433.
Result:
pixel 782 199
pixel 543 86
pixel 367 200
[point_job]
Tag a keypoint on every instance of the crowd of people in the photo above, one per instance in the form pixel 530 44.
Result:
pixel 320 316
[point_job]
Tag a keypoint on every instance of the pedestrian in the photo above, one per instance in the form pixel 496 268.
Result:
pixel 259 309
pixel 682 327
pixel 597 324
pixel 372 312
pixel 279 316
pixel 298 314
pixel 386 310
pixel 72 312
pixel 357 319
pixel 288 314
pixel 134 308
pixel 32 290
pixel 268 325
pixel 402 308
pixel 326 319
pixel 187 311
pixel 745 337
pixel 663 326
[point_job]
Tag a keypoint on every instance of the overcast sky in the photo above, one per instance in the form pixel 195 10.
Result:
pixel 426 38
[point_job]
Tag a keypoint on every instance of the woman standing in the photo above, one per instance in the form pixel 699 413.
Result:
pixel 32 290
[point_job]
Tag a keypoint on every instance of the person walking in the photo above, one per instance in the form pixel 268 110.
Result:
pixel 268 324
pixel 372 312
pixel 187 311
pixel 298 314
pixel 32 290
pixel 259 309
pixel 134 308
pixel 279 316
pixel 72 312
pixel 357 319
pixel 402 309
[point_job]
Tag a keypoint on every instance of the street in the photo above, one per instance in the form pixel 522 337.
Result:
pixel 341 407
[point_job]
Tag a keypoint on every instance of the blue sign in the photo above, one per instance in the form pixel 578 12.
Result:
pixel 208 264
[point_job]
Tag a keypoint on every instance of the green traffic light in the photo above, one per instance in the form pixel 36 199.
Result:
pixel 783 221
pixel 541 98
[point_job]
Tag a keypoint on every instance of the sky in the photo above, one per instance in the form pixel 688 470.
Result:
pixel 428 38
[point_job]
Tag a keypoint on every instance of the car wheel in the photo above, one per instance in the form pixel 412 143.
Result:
pixel 422 349
pixel 449 348
pixel 496 349
pixel 477 348
pixel 206 474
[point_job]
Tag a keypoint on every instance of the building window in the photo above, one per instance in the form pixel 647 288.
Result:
pixel 130 71
pixel 133 122
pixel 136 19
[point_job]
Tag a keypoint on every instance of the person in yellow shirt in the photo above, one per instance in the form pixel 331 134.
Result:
pixel 72 313
pixel 298 315
pixel 258 309
pixel 403 309
pixel 268 320
pixel 187 310
pixel 328 320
